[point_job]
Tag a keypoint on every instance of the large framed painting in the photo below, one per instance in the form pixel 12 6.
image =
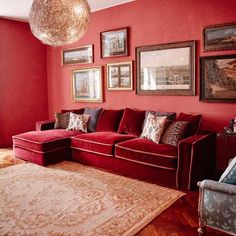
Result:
pixel 218 78
pixel 81 55
pixel 114 43
pixel 166 69
pixel 119 76
pixel 87 85
pixel 219 37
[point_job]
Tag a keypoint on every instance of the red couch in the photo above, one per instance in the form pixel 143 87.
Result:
pixel 116 146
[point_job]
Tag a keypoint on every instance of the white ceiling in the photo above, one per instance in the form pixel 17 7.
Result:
pixel 19 9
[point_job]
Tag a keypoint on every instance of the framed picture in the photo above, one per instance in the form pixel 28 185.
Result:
pixel 81 55
pixel 114 43
pixel 87 85
pixel 119 76
pixel 219 37
pixel 218 78
pixel 166 69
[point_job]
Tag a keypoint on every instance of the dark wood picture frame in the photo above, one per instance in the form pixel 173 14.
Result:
pixel 114 43
pixel 169 69
pixel 120 76
pixel 79 55
pixel 219 37
pixel 218 78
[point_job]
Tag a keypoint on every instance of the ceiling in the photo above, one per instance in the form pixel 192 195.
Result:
pixel 19 9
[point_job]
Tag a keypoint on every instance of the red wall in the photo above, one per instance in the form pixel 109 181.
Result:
pixel 23 80
pixel 150 22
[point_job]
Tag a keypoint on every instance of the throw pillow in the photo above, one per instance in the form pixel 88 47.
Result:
pixel 174 133
pixel 229 175
pixel 131 122
pixel 153 128
pixel 78 122
pixel 61 120
pixel 109 120
pixel 94 114
pixel 194 122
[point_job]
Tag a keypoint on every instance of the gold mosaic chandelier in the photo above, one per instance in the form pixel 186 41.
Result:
pixel 59 22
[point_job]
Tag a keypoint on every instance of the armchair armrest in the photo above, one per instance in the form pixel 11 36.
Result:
pixel 44 125
pixel 216 186
pixel 196 160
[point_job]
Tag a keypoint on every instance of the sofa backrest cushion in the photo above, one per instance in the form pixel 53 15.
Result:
pixel 131 122
pixel 109 120
pixel 174 132
pixel 61 120
pixel 194 122
pixel 94 114
pixel 76 111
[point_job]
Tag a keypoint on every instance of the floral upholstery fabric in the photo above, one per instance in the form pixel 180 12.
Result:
pixel 217 205
pixel 153 128
pixel 229 175
pixel 78 122
pixel 62 120
pixel 174 133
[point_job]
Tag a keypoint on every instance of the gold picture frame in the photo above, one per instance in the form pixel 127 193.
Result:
pixel 120 76
pixel 80 55
pixel 87 84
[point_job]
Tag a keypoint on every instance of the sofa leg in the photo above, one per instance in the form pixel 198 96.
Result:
pixel 201 230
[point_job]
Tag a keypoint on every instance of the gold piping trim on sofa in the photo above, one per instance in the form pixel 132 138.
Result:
pixel 155 154
pixel 100 153
pixel 89 141
pixel 144 163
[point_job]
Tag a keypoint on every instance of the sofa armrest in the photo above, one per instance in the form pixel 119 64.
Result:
pixel 196 160
pixel 44 125
pixel 216 186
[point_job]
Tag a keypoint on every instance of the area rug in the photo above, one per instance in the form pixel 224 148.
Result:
pixel 71 199
pixel 7 158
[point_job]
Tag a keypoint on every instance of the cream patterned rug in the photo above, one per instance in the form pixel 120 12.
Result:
pixel 69 199
pixel 7 158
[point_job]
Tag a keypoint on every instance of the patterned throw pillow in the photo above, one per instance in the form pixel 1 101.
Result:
pixel 62 120
pixel 229 175
pixel 153 128
pixel 78 122
pixel 174 133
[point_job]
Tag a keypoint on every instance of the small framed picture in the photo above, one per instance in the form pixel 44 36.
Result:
pixel 87 85
pixel 218 78
pixel 219 37
pixel 81 55
pixel 114 43
pixel 120 76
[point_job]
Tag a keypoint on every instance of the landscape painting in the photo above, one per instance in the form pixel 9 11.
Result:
pixel 219 37
pixel 167 69
pixel 81 55
pixel 218 78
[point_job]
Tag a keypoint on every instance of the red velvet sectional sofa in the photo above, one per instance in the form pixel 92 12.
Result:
pixel 117 146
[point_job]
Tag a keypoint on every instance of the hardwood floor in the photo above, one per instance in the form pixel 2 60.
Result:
pixel 181 219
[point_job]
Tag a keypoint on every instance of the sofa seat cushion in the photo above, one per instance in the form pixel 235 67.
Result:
pixel 146 152
pixel 99 142
pixel 44 141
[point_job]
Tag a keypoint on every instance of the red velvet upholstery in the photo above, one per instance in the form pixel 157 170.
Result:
pixel 131 122
pixel 99 142
pixel 194 122
pixel 126 168
pixel 146 152
pixel 44 141
pixel 109 120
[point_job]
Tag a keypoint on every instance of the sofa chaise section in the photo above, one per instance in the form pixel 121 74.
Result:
pixel 43 147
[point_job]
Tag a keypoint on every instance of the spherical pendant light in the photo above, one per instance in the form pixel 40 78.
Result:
pixel 59 22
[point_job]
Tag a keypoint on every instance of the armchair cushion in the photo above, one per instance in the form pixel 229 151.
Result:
pixel 229 175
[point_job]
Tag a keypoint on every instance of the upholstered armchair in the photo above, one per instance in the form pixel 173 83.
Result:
pixel 217 202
